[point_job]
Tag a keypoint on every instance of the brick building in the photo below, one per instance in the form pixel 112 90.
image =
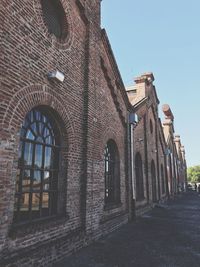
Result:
pixel 67 170
pixel 149 145
pixel 176 163
pixel 63 144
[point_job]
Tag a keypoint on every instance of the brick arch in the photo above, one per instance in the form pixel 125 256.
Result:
pixel 108 134
pixel 29 97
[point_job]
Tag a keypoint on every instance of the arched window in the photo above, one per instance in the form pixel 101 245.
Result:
pixel 54 18
pixel 153 179
pixel 151 126
pixel 112 175
pixel 36 193
pixel 139 177
pixel 162 179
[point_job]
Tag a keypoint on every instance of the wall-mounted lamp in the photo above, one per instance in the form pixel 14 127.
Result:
pixel 56 75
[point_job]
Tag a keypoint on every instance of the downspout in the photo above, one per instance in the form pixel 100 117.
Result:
pixel 146 158
pixel 130 133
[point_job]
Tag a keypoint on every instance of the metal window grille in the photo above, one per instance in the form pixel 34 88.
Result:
pixel 112 184
pixel 36 191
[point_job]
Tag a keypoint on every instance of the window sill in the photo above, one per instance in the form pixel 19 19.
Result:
pixel 111 206
pixel 24 228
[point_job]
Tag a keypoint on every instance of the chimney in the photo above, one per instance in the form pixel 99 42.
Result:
pixel 139 91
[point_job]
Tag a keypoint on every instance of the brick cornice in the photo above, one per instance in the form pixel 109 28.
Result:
pixel 119 83
pixel 112 90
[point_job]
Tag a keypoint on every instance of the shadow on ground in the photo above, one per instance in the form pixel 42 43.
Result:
pixel 168 236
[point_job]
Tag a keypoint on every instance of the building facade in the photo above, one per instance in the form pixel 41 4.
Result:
pixel 68 171
pixel 150 184
pixel 63 169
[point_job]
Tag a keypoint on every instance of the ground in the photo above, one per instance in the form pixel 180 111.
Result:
pixel 168 236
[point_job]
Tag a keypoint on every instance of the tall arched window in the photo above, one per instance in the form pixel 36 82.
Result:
pixel 37 177
pixel 162 179
pixel 153 179
pixel 139 177
pixel 112 175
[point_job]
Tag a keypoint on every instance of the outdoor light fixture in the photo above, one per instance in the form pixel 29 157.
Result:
pixel 56 75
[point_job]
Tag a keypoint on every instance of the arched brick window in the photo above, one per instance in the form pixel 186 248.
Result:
pixel 163 179
pixel 112 173
pixel 153 179
pixel 36 194
pixel 139 177
pixel 151 126
pixel 55 18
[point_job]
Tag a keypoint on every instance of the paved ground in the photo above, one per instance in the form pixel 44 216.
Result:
pixel 168 236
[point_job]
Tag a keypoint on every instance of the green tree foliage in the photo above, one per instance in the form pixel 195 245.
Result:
pixel 194 174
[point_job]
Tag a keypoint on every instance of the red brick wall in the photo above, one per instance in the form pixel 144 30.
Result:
pixel 90 108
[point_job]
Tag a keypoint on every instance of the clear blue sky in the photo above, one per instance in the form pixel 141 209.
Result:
pixel 162 37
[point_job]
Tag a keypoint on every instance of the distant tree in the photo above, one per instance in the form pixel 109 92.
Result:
pixel 194 174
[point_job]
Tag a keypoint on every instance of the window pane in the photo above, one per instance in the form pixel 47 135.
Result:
pixel 26 181
pixel 28 153
pixel 29 135
pixel 45 201
pixel 37 181
pixel 35 201
pixel 24 202
pixel 49 140
pixel 46 180
pixel 40 127
pixel 34 128
pixel 48 153
pixel 37 115
pixel 38 156
pixel 46 132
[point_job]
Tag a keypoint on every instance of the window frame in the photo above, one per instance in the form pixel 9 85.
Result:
pixel 50 187
pixel 112 195
pixel 139 177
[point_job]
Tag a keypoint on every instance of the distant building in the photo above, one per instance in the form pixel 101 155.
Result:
pixel 150 180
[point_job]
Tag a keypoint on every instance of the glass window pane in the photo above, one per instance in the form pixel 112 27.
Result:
pixel 48 154
pixel 34 128
pixel 35 201
pixel 44 118
pixel 46 132
pixel 40 127
pixel 28 153
pixel 37 181
pixel 29 135
pixel 45 201
pixel 48 140
pixel 46 180
pixel 24 202
pixel 26 181
pixel 37 115
pixel 38 156
pixel 40 139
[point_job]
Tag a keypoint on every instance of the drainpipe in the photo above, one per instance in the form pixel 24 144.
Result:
pixel 131 122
